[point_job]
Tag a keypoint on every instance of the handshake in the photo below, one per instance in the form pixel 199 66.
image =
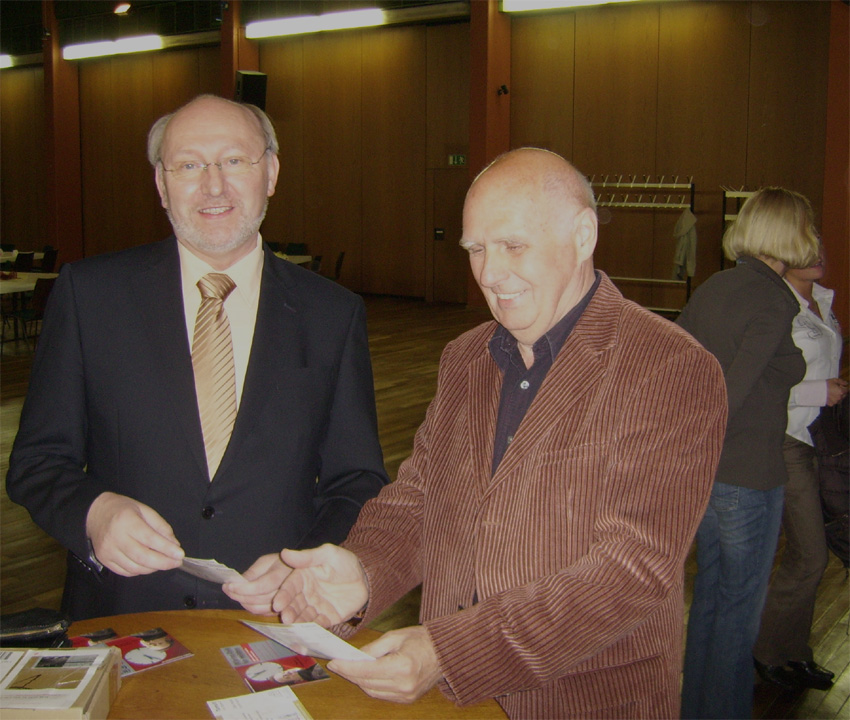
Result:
pixel 327 585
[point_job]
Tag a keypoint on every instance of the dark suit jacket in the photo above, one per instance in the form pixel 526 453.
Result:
pixel 743 317
pixel 555 585
pixel 112 406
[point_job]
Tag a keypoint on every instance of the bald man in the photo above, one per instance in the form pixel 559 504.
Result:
pixel 112 458
pixel 554 487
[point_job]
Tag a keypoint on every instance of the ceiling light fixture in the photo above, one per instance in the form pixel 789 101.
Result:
pixel 5 61
pixel 315 23
pixel 112 47
pixel 529 5
pixel 121 8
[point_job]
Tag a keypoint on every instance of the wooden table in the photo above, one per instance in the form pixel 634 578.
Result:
pixel 182 688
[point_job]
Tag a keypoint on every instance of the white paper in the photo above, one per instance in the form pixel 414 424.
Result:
pixel 276 704
pixel 211 570
pixel 310 639
pixel 8 659
pixel 51 678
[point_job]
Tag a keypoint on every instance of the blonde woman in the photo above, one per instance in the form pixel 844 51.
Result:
pixel 743 316
pixel 782 653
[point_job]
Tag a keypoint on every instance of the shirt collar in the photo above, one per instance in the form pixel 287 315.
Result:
pixel 246 273
pixel 822 296
pixel 503 345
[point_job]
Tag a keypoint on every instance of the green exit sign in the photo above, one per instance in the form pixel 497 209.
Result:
pixel 457 159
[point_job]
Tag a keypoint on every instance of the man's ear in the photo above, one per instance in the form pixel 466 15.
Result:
pixel 585 232
pixel 160 185
pixel 274 169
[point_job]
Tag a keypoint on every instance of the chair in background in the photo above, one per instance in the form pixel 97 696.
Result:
pixel 27 319
pixel 48 262
pixel 274 246
pixel 7 247
pixel 337 267
pixel 316 263
pixel 24 262
pixel 296 249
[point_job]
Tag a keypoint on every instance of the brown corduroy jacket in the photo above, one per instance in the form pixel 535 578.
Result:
pixel 555 585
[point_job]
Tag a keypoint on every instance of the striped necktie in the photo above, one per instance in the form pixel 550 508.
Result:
pixel 212 360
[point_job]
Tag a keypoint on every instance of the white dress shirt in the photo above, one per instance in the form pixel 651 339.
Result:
pixel 241 305
pixel 820 340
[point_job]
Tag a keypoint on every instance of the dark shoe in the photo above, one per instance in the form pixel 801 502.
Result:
pixel 811 675
pixel 778 675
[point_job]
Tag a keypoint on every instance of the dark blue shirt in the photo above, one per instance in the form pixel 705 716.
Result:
pixel 520 384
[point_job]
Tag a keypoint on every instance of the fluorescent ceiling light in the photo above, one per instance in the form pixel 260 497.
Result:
pixel 315 23
pixel 112 47
pixel 528 5
pixel 5 61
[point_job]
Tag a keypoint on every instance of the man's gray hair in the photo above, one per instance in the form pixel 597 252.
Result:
pixel 157 131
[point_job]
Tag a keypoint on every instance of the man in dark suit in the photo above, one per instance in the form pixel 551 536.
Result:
pixel 110 458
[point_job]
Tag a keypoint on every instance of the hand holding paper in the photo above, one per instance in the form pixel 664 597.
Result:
pixel 405 668
pixel 131 538
pixel 309 639
pixel 327 586
pixel 256 587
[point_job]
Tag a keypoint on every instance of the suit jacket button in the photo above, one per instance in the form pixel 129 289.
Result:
pixel 208 512
pixel 189 601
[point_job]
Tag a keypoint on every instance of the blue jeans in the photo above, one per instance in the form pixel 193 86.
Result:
pixel 736 541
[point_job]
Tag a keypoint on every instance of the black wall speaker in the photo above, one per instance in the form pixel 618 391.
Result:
pixel 251 88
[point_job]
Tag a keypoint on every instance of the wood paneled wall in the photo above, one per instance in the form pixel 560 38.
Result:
pixel 353 113
pixel 733 93
pixel 119 100
pixel 23 195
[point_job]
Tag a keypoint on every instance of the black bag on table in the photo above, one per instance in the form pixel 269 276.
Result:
pixel 34 628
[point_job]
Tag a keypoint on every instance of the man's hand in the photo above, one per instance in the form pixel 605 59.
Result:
pixel 264 579
pixel 327 586
pixel 406 667
pixel 131 538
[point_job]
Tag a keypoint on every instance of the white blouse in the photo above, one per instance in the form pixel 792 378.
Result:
pixel 820 341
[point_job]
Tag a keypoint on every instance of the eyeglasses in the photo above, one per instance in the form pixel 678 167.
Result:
pixel 229 167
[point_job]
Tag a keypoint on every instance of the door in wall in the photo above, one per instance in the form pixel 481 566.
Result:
pixel 449 263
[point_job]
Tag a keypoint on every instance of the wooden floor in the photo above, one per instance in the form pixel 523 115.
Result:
pixel 406 338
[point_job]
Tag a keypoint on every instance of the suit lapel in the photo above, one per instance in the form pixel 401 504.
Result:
pixel 484 383
pixel 271 349
pixel 160 301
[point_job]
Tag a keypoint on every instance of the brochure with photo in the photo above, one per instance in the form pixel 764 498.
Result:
pixel 267 664
pixel 98 637
pixel 148 649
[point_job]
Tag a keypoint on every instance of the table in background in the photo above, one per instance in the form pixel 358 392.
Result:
pixel 181 689
pixel 16 287
pixel 25 282
pixel 10 255
pixel 297 259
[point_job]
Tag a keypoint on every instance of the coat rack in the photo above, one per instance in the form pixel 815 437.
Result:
pixel 637 191
pixel 646 193
pixel 732 200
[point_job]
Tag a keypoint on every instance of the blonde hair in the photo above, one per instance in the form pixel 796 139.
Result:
pixel 775 223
